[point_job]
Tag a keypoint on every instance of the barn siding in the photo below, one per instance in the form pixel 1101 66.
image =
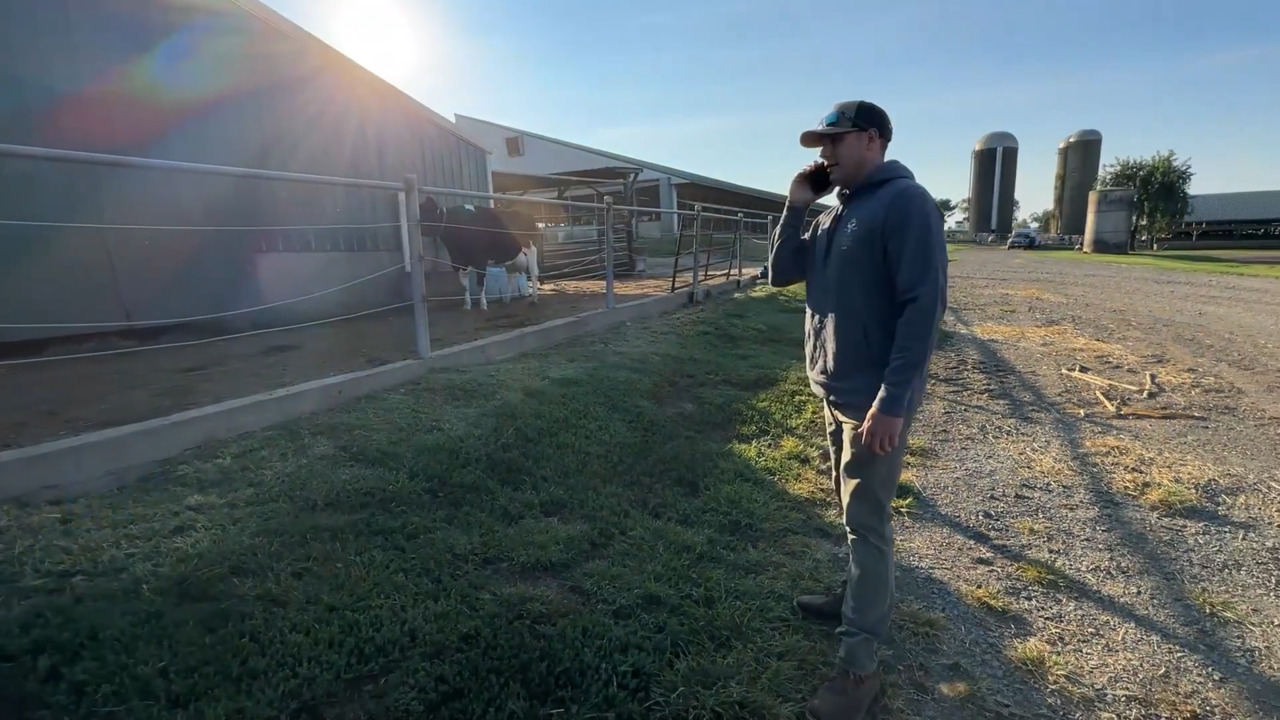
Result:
pixel 198 81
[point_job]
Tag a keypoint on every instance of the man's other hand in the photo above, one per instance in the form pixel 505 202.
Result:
pixel 880 432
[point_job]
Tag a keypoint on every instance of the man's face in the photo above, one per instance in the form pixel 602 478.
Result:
pixel 850 155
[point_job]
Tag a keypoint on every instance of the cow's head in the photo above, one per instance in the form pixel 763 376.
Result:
pixel 430 215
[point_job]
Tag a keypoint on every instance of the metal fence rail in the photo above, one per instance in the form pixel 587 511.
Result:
pixel 127 275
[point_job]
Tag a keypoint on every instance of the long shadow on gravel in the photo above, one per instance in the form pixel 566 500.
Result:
pixel 932 619
pixel 1014 392
pixel 939 664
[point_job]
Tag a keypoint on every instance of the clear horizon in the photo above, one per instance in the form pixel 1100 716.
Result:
pixel 724 89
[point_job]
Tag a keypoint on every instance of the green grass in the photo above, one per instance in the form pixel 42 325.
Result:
pixel 612 529
pixel 1226 262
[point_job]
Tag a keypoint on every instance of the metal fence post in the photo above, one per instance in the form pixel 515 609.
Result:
pixel 737 244
pixel 417 274
pixel 768 242
pixel 697 231
pixel 608 252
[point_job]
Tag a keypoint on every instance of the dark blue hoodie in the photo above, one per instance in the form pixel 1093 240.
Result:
pixel 875 274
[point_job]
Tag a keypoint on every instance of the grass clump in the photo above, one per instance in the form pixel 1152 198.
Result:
pixel 1038 658
pixel 1163 483
pixel 611 529
pixel 919 623
pixel 1041 574
pixel 985 597
pixel 1030 528
pixel 1217 606
pixel 906 498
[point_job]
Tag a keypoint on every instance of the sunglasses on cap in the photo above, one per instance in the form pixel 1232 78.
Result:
pixel 840 120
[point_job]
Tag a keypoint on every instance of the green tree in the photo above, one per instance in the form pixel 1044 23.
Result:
pixel 1017 208
pixel 946 207
pixel 1042 219
pixel 1162 191
pixel 962 207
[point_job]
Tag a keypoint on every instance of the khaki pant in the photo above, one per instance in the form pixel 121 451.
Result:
pixel 866 484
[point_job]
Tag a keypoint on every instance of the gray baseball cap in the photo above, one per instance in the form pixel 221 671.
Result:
pixel 850 116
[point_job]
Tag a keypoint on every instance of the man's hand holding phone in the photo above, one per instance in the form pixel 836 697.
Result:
pixel 809 184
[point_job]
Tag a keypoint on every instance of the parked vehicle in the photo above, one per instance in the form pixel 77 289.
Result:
pixel 1023 239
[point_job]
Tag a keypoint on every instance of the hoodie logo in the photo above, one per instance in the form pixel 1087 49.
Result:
pixel 850 225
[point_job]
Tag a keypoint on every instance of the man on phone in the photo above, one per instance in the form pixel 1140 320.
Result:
pixel 875 274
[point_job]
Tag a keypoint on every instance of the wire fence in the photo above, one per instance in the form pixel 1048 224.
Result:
pixel 118 312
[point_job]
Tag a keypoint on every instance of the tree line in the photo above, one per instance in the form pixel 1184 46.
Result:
pixel 1162 196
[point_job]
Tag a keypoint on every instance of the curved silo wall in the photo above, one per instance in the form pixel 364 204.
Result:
pixel 1059 186
pixel 1006 182
pixel 982 183
pixel 1110 221
pixel 991 186
pixel 1083 161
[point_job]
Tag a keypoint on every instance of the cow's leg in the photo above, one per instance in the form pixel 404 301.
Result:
pixel 464 276
pixel 531 257
pixel 482 273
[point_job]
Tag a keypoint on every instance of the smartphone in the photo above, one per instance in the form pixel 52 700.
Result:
pixel 819 179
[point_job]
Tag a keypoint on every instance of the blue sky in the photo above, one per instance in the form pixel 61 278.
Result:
pixel 723 88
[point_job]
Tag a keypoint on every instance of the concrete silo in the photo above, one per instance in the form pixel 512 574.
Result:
pixel 992 179
pixel 1110 221
pixel 1079 160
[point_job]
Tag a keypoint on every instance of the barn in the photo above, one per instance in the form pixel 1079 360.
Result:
pixel 1236 219
pixel 223 82
pixel 534 165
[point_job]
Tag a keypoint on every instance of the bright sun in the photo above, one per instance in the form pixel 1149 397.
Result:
pixel 378 35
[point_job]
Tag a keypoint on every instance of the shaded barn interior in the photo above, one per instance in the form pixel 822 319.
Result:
pixel 573 239
pixel 1229 220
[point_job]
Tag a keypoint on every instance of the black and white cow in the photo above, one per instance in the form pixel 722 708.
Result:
pixel 480 236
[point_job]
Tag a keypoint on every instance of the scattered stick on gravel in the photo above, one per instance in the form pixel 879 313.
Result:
pixel 1080 371
pixel 1110 406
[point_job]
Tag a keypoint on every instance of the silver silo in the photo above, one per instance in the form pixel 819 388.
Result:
pixel 1110 221
pixel 1079 161
pixel 991 183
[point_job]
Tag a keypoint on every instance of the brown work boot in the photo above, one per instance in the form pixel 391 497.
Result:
pixel 826 607
pixel 845 696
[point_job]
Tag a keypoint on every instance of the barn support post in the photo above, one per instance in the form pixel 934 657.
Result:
pixel 405 249
pixel 608 252
pixel 697 232
pixel 417 275
pixel 737 244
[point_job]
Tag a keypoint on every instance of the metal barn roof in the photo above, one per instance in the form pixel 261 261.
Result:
pixel 1252 206
pixel 665 170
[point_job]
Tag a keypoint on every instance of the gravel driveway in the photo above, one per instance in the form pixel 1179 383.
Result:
pixel 1059 561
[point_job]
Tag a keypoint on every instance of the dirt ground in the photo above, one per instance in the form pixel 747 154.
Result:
pixel 1071 563
pixel 55 399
